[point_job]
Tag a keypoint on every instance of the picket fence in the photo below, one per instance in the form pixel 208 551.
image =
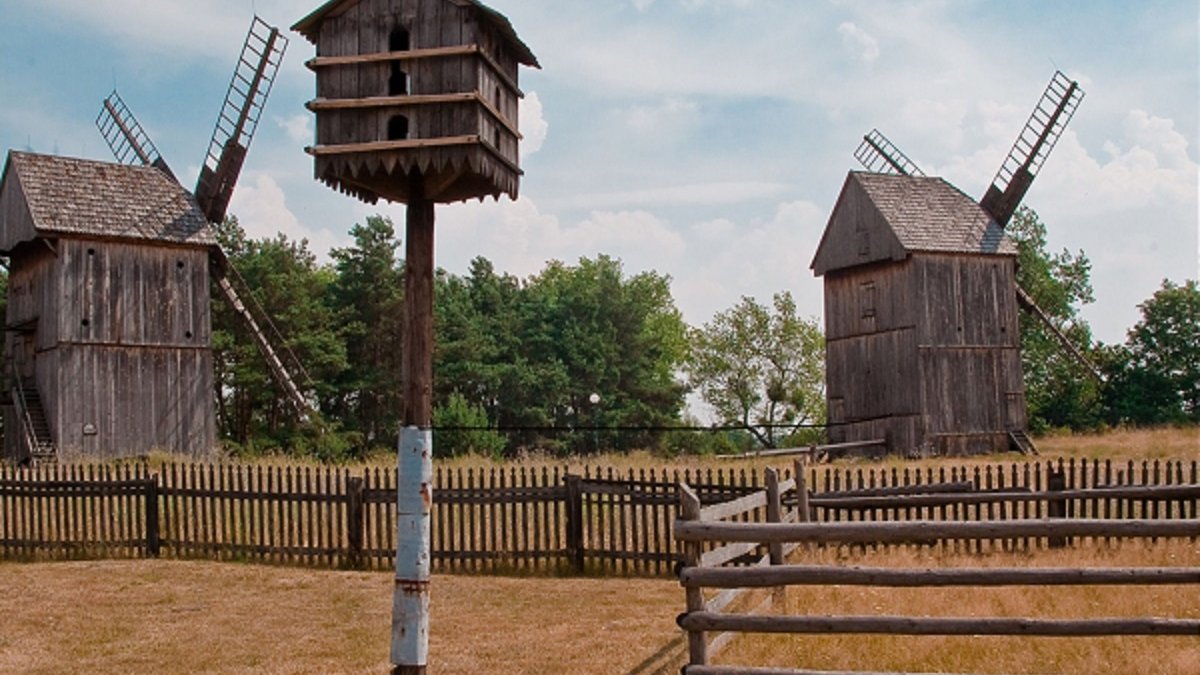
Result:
pixel 505 519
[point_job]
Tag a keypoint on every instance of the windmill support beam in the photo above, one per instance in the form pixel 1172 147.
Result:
pixel 1026 301
pixel 410 606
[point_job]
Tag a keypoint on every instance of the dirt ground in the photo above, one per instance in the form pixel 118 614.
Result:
pixel 178 616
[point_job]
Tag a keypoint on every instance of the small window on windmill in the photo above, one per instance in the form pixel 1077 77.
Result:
pixel 398 41
pixel 864 243
pixel 397 128
pixel 867 291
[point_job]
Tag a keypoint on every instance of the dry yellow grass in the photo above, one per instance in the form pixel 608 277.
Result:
pixel 174 616
pixel 1150 655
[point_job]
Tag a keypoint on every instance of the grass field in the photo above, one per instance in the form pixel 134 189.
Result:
pixel 170 616
pixel 176 616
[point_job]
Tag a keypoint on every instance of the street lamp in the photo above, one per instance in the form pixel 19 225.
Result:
pixel 594 399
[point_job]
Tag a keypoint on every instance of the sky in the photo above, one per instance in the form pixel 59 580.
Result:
pixel 706 140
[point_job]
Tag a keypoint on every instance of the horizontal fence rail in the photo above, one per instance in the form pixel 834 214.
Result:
pixel 706 532
pixel 539 518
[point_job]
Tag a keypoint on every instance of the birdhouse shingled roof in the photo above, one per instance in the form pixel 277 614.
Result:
pixel 310 26
pixel 64 195
pixel 886 216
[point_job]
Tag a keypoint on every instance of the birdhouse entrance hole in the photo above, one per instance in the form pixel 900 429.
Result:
pixel 397 128
pixel 398 41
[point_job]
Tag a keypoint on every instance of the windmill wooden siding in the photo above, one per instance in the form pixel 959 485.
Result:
pixel 108 309
pixel 452 115
pixel 921 319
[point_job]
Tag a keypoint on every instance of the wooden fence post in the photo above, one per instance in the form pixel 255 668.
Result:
pixel 1056 481
pixel 774 514
pixel 575 522
pixel 803 513
pixel 153 543
pixel 689 507
pixel 354 520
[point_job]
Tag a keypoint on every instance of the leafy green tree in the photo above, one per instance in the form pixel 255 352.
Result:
pixel 282 278
pixel 1155 377
pixel 761 368
pixel 1059 391
pixel 461 428
pixel 532 354
pixel 367 296
pixel 619 341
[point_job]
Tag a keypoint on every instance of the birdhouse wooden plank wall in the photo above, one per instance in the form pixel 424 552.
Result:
pixel 429 86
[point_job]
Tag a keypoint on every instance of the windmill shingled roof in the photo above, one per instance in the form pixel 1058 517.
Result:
pixel 80 196
pixel 929 214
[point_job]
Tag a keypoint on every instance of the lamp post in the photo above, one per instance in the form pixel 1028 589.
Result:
pixel 594 399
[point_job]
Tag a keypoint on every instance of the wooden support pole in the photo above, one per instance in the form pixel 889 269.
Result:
pixel 414 498
pixel 417 371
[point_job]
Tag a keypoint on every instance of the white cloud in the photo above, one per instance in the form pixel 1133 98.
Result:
pixel 261 208
pixel 672 115
pixel 703 194
pixel 534 127
pixel 163 27
pixel 859 40
pixel 298 128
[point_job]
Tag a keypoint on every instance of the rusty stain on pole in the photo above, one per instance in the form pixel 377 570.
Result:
pixel 414 498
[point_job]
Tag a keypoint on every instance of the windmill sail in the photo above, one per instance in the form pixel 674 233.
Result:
pixel 129 142
pixel 253 77
pixel 879 155
pixel 1033 145
pixel 1027 303
pixel 278 370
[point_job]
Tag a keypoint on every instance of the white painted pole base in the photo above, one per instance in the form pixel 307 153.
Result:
pixel 414 498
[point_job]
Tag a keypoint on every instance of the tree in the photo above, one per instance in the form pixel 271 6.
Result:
pixel 532 354
pixel 760 369
pixel 1155 377
pixel 367 295
pixel 1058 390
pixel 282 275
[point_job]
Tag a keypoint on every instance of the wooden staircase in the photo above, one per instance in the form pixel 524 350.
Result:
pixel 1022 442
pixel 35 427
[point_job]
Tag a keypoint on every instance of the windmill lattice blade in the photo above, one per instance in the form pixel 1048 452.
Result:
pixel 129 142
pixel 245 99
pixel 1038 137
pixel 879 155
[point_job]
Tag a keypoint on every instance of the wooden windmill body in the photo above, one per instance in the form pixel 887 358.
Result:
pixel 417 103
pixel 921 299
pixel 107 326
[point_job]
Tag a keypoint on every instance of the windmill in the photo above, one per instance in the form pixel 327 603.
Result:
pixel 262 52
pixel 921 298
pixel 1037 139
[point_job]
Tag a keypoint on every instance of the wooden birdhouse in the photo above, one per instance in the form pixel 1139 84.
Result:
pixel 108 327
pixel 408 88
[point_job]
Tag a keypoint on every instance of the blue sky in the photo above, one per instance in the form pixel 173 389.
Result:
pixel 704 139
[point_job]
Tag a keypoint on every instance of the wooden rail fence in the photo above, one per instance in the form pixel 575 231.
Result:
pixel 519 518
pixel 711 535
